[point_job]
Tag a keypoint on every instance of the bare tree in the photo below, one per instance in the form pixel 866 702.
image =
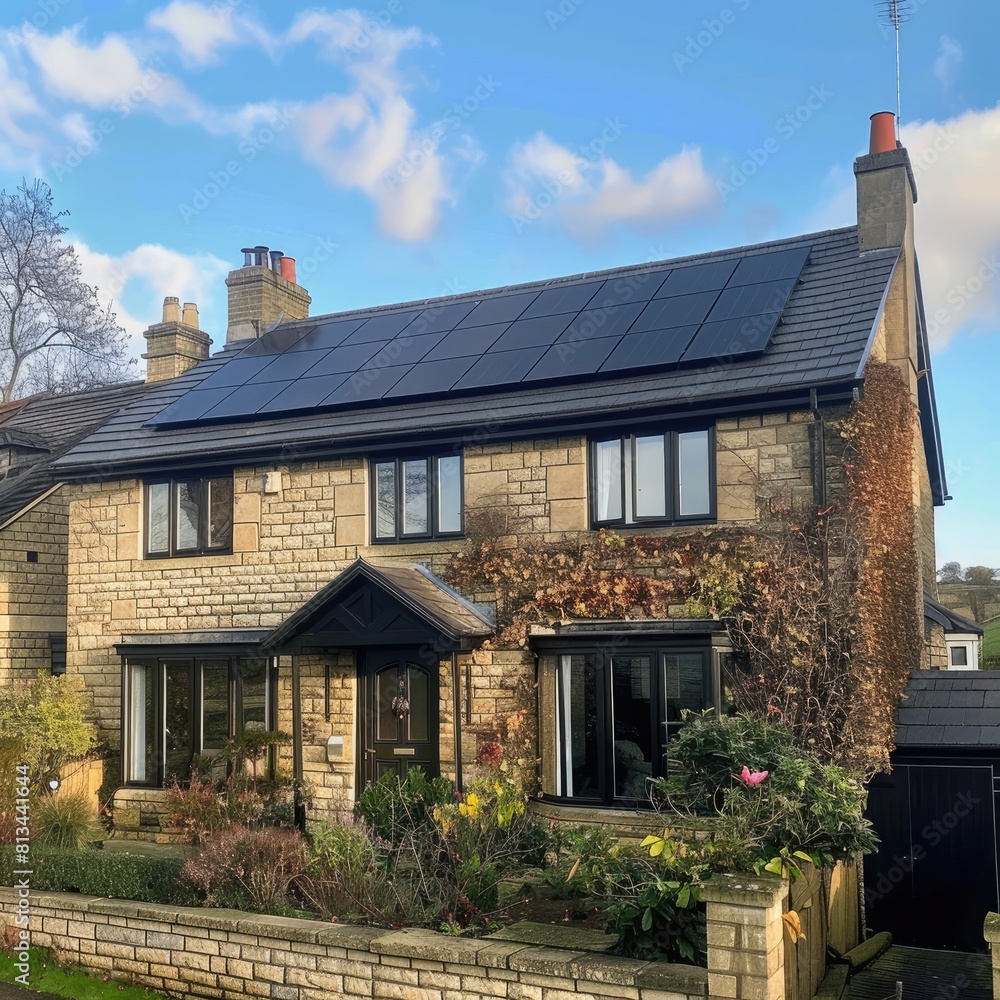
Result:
pixel 54 334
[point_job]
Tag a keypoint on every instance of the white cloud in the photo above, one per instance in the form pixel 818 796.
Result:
pixel 22 142
pixel 588 195
pixel 200 31
pixel 148 274
pixel 369 138
pixel 948 62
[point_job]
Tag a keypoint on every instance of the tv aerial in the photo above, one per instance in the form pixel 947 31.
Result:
pixel 895 13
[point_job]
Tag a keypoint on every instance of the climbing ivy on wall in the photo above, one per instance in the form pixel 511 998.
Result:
pixel 821 606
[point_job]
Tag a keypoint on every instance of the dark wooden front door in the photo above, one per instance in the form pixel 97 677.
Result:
pixel 399 713
pixel 934 877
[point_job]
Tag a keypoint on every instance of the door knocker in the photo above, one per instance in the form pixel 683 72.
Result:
pixel 401 704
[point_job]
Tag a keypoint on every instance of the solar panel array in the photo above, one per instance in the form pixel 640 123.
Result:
pixel 714 311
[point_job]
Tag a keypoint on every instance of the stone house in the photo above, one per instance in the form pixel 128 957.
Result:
pixel 259 539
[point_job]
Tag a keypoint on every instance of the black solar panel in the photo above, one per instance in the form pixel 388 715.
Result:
pixel 646 350
pixel 474 340
pixel 567 298
pixel 772 266
pixel 538 332
pixel 683 310
pixel 630 288
pixel 294 364
pixel 431 377
pixel 594 324
pixel 751 300
pixel 326 335
pixel 381 327
pixel 346 359
pixel 439 319
pixel 500 309
pixel 303 393
pixel 662 316
pixel 500 369
pixel 712 276
pixel 732 338
pixel 366 386
pixel 246 399
pixel 582 357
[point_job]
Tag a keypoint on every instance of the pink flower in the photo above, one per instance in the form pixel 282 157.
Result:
pixel 750 778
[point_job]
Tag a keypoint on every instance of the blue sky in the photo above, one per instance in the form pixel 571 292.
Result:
pixel 421 147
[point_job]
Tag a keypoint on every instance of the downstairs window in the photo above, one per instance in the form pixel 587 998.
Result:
pixel 179 707
pixel 616 711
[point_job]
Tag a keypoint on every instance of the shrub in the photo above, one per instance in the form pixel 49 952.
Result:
pixel 394 807
pixel 803 805
pixel 202 807
pixel 348 874
pixel 66 821
pixel 102 873
pixel 44 725
pixel 248 868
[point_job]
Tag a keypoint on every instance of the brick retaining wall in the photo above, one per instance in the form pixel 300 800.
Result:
pixel 187 951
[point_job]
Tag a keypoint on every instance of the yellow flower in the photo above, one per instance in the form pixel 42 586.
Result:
pixel 470 807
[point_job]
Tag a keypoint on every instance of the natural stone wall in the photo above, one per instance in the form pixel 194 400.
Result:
pixel 32 594
pixel 226 954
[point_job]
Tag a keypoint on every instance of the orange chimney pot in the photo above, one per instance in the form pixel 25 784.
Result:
pixel 883 138
pixel 287 265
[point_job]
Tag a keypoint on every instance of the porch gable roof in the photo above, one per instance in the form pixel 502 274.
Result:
pixel 382 605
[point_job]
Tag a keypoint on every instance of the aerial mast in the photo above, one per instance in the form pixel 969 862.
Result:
pixel 895 13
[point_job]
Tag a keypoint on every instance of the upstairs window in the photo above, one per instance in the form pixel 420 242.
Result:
pixel 653 478
pixel 189 517
pixel 417 498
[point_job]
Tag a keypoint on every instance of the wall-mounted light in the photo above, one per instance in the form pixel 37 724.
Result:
pixel 53 784
pixel 334 749
pixel 272 481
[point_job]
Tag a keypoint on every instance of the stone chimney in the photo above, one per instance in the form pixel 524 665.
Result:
pixel 263 291
pixel 887 192
pixel 176 344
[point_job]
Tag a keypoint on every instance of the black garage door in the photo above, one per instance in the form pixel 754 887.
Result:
pixel 934 878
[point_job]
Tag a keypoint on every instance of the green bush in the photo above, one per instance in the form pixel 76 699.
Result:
pixel 102 873
pixel 64 820
pixel 803 806
pixel 394 807
pixel 44 725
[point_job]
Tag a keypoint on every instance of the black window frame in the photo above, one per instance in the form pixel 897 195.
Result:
pixel 195 662
pixel 629 483
pixel 662 727
pixel 434 531
pixel 203 547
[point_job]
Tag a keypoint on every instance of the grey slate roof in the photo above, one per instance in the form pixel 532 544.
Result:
pixel 950 708
pixel 950 620
pixel 55 423
pixel 822 341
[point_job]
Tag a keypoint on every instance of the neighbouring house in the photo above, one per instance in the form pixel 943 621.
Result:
pixel 34 521
pixel 261 539
pixel 963 638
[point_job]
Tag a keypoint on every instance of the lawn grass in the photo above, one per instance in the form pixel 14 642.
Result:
pixel 991 646
pixel 47 977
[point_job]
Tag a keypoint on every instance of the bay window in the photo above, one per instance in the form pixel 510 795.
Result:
pixel 177 707
pixel 416 498
pixel 616 708
pixel 663 477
